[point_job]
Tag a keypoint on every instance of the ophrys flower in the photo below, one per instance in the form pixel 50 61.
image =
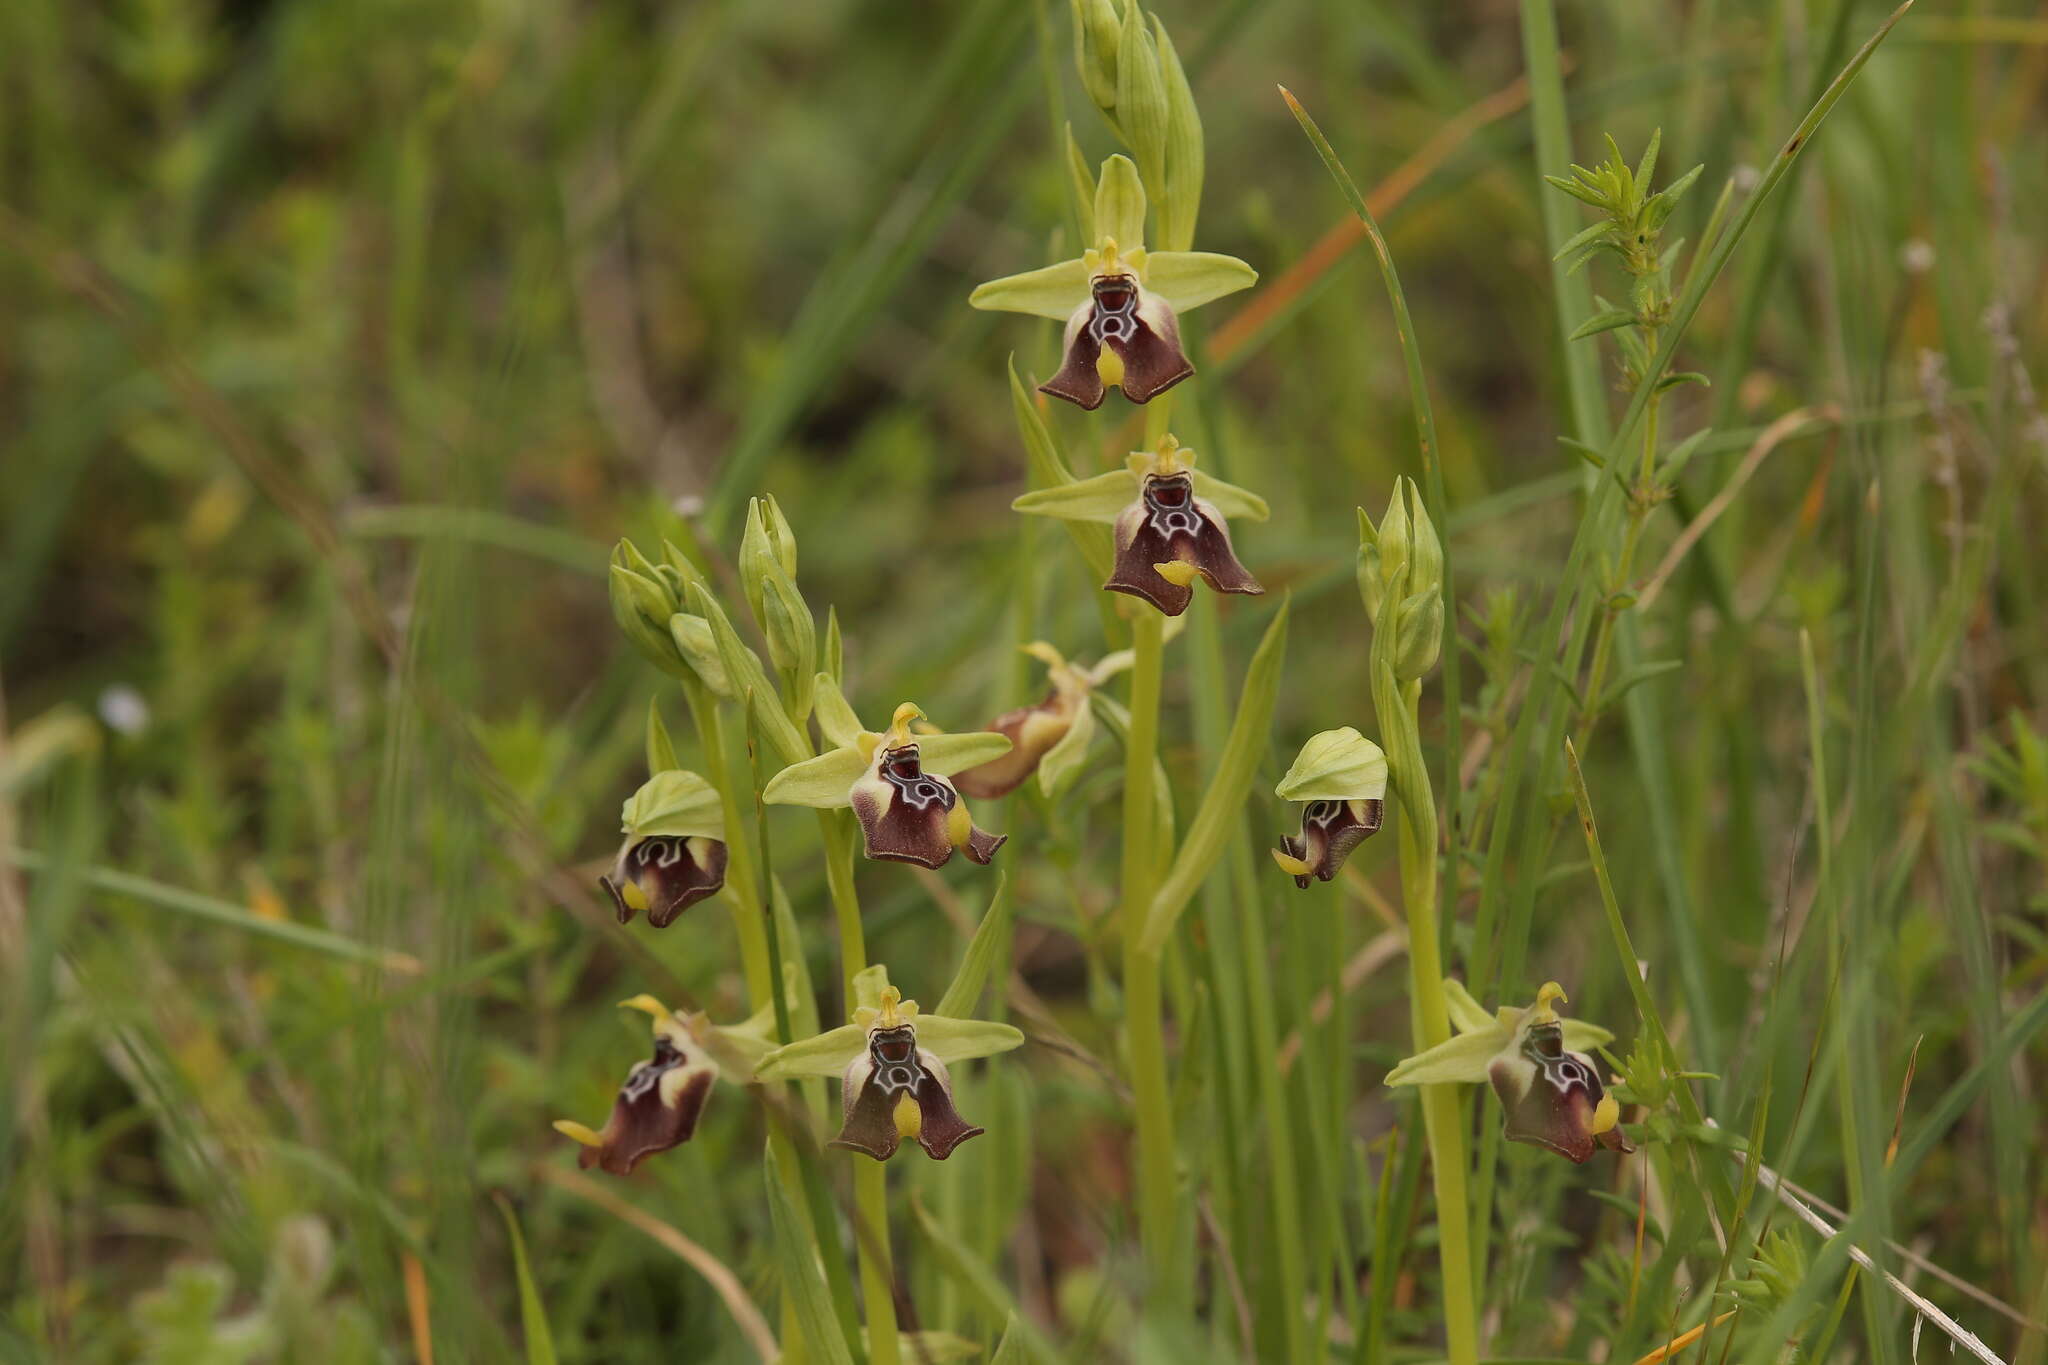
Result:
pixel 674 852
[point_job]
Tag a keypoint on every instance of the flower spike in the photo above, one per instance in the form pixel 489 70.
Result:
pixel 1121 303
pixel 1538 1067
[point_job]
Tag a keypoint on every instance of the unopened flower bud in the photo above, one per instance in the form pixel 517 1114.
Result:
pixel 1402 561
pixel 1096 33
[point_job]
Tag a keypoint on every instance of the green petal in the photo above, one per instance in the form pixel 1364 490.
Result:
pixel 1189 279
pixel 1463 1059
pixel 822 782
pixel 826 1054
pixel 836 720
pixel 675 803
pixel 1102 498
pixel 1467 1014
pixel 945 755
pixel 1580 1036
pixel 960 1040
pixel 1336 765
pixel 1053 292
pixel 1229 499
pixel 1120 204
pixel 1063 762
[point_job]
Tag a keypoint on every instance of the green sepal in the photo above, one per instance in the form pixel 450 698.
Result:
pixel 1052 291
pixel 695 642
pixel 1081 183
pixel 677 804
pixel 1336 765
pixel 745 674
pixel 1102 498
pixel 962 1040
pixel 824 1054
pixel 1462 1060
pixel 1119 205
pixel 1064 762
pixel 824 783
pixel 1467 1014
pixel 947 754
pixel 1189 279
pixel 1230 500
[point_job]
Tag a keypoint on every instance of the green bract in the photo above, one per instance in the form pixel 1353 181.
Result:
pixel 1336 765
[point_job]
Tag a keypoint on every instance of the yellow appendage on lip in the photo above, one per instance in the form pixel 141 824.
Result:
pixel 909 1118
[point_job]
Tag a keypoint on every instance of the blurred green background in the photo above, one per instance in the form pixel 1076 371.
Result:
pixel 339 341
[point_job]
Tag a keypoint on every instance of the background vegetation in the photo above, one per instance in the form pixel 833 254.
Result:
pixel 339 343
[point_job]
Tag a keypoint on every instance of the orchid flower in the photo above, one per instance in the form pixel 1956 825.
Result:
pixel 894 780
pixel 1120 302
pixel 1169 521
pixel 1537 1064
pixel 1049 737
pixel 662 1098
pixel 892 1064
pixel 1342 776
pixel 674 852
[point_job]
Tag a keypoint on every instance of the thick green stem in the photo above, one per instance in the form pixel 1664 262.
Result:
pixel 1396 704
pixel 1143 1017
pixel 870 1179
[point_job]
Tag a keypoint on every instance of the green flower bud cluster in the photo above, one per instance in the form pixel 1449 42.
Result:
pixel 1401 562
pixel 1134 77
pixel 1631 228
pixel 768 577
pixel 650 602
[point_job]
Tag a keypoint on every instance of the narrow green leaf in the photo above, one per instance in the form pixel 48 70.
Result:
pixel 983 950
pixel 1223 801
pixel 802 1281
pixel 1602 322
pixel 982 1286
pixel 224 912
pixel 661 750
pixel 1048 470
pixel 533 1314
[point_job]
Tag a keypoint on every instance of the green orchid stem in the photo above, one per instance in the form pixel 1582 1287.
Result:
pixel 1143 1017
pixel 745 892
pixel 870 1178
pixel 1638 512
pixel 1397 705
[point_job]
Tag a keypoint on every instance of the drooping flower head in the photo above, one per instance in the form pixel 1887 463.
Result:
pixel 891 1061
pixel 1049 737
pixel 674 852
pixel 1121 303
pixel 1169 521
pixel 1342 776
pixel 895 781
pixel 1538 1066
pixel 662 1098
